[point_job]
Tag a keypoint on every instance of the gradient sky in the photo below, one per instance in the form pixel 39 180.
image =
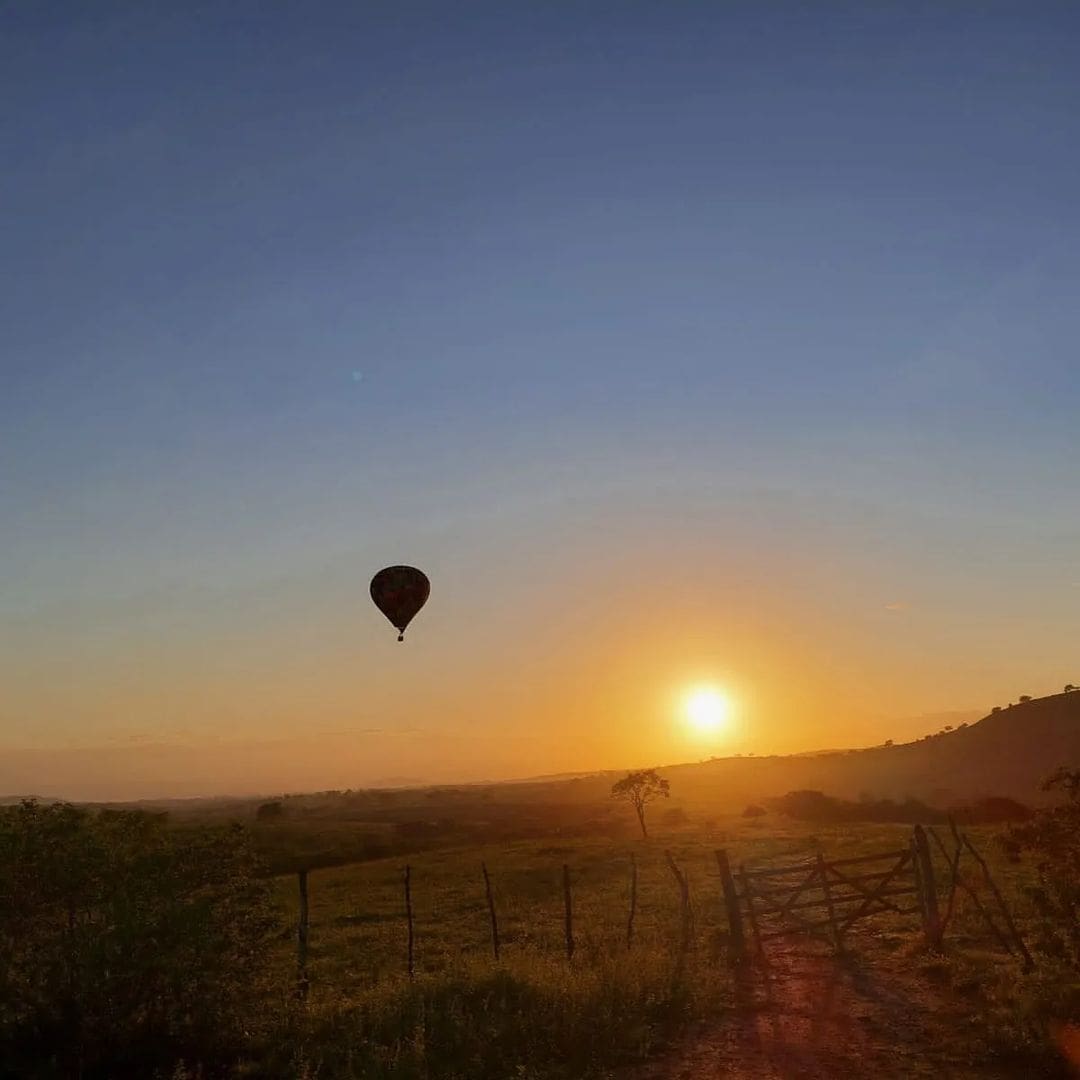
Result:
pixel 678 342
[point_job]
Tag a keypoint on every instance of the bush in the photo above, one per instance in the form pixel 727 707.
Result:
pixel 126 947
pixel 1052 839
pixel 270 811
pixel 993 810
pixel 753 811
pixel 1031 1012
pixel 818 807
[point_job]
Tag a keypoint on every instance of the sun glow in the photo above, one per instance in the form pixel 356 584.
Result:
pixel 707 710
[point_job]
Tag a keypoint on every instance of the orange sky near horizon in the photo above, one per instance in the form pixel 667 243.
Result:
pixel 573 658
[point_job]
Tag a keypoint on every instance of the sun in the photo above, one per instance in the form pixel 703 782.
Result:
pixel 707 710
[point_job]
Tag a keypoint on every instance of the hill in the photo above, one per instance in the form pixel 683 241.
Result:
pixel 1009 752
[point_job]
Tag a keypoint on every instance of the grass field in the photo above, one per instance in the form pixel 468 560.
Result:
pixel 137 947
pixel 533 1013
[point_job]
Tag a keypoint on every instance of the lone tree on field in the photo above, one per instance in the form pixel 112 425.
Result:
pixel 638 789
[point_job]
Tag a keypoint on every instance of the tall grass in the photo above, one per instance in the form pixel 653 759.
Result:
pixel 529 1016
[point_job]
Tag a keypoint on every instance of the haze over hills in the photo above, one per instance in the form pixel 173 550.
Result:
pixel 1008 752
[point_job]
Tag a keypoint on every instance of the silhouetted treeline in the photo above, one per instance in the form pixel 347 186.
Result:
pixel 816 806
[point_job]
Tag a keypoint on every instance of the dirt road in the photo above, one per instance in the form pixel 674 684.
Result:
pixel 809 1016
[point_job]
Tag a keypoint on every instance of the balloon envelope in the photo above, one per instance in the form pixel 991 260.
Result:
pixel 399 593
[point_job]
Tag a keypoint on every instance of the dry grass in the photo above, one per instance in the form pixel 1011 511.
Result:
pixel 533 1013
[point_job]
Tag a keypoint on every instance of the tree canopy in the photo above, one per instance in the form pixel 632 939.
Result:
pixel 639 789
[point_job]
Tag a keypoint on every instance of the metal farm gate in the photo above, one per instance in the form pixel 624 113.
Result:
pixel 826 897
pixel 821 896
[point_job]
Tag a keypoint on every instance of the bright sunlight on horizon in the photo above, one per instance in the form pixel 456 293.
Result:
pixel 708 711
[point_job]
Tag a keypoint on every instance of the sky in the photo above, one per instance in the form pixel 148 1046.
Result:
pixel 679 343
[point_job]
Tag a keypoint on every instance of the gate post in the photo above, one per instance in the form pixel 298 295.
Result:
pixel 731 903
pixel 931 917
pixel 823 874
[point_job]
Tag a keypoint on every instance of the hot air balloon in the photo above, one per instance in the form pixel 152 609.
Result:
pixel 399 593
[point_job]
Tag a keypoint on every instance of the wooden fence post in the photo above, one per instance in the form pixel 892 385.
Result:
pixel 684 894
pixel 302 939
pixel 633 901
pixel 491 911
pixel 931 917
pixel 569 924
pixel 409 916
pixel 731 904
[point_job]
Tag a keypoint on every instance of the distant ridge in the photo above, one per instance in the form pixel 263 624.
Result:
pixel 1008 752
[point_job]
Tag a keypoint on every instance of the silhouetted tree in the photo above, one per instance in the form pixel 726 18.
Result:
pixel 639 789
pixel 1069 688
pixel 1024 697
pixel 996 708
pixel 270 811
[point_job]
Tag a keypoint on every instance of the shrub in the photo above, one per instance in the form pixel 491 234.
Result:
pixel 819 807
pixel 992 810
pixel 125 946
pixel 1052 839
pixel 270 811
pixel 1033 1011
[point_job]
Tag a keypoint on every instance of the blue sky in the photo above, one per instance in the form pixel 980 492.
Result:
pixel 523 292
